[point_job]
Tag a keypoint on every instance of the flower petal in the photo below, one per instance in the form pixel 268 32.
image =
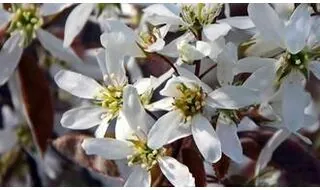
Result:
pixel 246 124
pixel 266 153
pixel 251 64
pixel 232 97
pixel 298 29
pixel 240 22
pixel 214 31
pixel 157 46
pixel 138 178
pixel 77 84
pixel 163 104
pixel 76 21
pixel 167 129
pixel 108 148
pixel 134 112
pixel 47 9
pixel 226 62
pixel 55 47
pixel 261 79
pixel 82 117
pixel 314 66
pixel 8 140
pixel 123 130
pixel 206 138
pixel 230 143
pixel 268 23
pixel 102 128
pixel 294 101
pixel 4 17
pixel 101 58
pixel 163 13
pixel 9 57
pixel 177 173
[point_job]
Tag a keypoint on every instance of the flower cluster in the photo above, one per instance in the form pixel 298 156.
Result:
pixel 216 76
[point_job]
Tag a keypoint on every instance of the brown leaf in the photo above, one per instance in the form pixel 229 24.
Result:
pixel 296 159
pixel 194 162
pixel 37 100
pixel 221 167
pixel 70 146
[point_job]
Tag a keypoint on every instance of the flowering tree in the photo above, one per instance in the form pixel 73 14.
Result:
pixel 159 94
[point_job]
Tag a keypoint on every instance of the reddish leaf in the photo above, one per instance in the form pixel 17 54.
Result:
pixel 70 146
pixel 194 162
pixel 37 100
pixel 221 167
pixel 299 161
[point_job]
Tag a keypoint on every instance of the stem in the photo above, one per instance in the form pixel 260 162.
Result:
pixel 170 63
pixel 208 70
pixel 198 66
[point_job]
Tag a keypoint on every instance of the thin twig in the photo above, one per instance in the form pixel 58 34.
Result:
pixel 208 70
pixel 198 66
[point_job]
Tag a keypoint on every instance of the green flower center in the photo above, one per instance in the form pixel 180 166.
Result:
pixel 110 98
pixel 144 156
pixel 291 62
pixel 197 16
pixel 191 100
pixel 26 20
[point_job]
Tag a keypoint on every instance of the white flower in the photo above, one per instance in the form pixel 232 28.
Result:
pixel 193 16
pixel 189 101
pixel 134 147
pixel 148 38
pixel 81 14
pixel 25 23
pixel 108 98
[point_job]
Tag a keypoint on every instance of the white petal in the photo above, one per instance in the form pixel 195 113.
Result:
pixel 298 29
pixel 177 173
pixel 251 64
pixel 9 57
pixel 206 138
pixel 267 151
pixel 262 78
pixel 240 22
pixel 216 48
pixel 47 9
pixel 123 130
pixel 163 13
pixel 230 143
pixel 163 104
pixel 122 37
pixel 102 128
pixel 8 140
pixel 246 124
pixel 110 149
pixel 143 85
pixel 232 97
pixel 314 66
pixel 294 101
pixel 267 22
pixel 170 89
pixel 101 58
pixel 139 178
pixel 76 21
pixel 55 47
pixel 134 112
pixel 82 117
pixel 214 31
pixel 171 49
pixel 4 17
pixel 226 62
pixel 77 84
pixel 169 128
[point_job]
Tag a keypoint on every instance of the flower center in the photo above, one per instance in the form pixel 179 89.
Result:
pixel 110 98
pixel 191 100
pixel 26 20
pixel 143 155
pixel 148 37
pixel 199 15
pixel 291 62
